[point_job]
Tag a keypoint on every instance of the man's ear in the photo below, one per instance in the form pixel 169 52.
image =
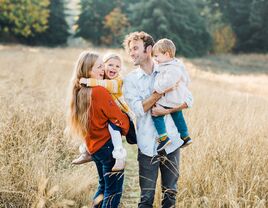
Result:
pixel 149 49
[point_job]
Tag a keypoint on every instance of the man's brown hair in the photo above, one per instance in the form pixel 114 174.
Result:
pixel 145 37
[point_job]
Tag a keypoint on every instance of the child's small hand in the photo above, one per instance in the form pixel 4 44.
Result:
pixel 172 88
pixel 83 81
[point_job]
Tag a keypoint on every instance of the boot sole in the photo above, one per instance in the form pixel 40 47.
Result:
pixel 159 150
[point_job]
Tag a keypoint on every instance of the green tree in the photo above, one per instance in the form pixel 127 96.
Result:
pixel 178 20
pixel 91 20
pixel 117 23
pixel 23 18
pixel 248 19
pixel 57 31
pixel 223 39
pixel 98 19
pixel 223 36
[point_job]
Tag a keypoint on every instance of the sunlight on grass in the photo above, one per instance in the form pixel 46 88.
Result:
pixel 226 166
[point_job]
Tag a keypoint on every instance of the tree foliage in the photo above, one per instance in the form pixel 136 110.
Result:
pixel 33 22
pixel 248 19
pixel 57 29
pixel 116 22
pixel 223 36
pixel 91 20
pixel 23 17
pixel 223 39
pixel 178 20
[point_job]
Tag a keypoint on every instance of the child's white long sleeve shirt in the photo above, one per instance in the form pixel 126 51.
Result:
pixel 169 74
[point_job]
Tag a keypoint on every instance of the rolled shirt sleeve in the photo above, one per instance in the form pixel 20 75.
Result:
pixel 132 97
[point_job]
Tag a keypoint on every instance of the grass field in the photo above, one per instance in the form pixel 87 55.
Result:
pixel 227 165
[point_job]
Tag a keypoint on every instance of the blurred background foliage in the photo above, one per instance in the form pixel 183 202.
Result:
pixel 198 27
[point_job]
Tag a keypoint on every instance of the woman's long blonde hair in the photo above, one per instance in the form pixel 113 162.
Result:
pixel 80 96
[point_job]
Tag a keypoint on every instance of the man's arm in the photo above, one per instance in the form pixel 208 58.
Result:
pixel 148 103
pixel 160 111
pixel 136 102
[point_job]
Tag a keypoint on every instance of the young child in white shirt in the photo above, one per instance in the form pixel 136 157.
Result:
pixel 172 75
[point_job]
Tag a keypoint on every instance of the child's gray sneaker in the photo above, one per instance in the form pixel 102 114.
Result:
pixel 186 141
pixel 163 144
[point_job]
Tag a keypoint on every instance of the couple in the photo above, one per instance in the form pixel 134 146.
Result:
pixel 92 109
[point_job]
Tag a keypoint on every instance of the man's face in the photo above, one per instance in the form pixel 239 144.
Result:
pixel 136 52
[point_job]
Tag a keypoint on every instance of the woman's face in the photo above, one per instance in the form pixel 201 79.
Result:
pixel 112 68
pixel 97 69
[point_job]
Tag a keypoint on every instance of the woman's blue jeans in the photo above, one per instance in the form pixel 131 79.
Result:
pixel 110 183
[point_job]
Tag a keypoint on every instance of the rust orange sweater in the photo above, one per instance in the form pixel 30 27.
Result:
pixel 103 108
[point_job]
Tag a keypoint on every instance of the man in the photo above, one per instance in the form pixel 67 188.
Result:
pixel 138 93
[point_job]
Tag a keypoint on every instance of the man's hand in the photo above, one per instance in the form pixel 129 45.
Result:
pixel 158 110
pixel 161 111
pixel 83 81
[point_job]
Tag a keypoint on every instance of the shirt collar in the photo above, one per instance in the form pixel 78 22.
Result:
pixel 173 61
pixel 142 73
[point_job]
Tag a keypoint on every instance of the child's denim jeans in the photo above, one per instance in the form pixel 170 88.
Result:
pixel 178 120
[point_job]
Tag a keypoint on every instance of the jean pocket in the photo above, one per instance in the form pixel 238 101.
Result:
pixel 105 154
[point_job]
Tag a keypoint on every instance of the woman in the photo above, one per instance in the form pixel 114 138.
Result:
pixel 89 112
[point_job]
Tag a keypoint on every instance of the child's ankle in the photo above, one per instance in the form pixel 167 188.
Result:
pixel 163 137
pixel 185 137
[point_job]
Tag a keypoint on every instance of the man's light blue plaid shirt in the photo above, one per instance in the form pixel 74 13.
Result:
pixel 137 87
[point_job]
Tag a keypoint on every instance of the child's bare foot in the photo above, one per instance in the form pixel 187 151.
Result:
pixel 83 158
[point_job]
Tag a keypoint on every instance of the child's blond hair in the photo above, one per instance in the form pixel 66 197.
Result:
pixel 165 46
pixel 109 56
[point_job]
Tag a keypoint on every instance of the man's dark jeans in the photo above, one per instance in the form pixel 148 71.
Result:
pixel 148 173
pixel 110 183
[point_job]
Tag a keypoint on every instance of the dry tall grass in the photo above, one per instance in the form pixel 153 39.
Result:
pixel 225 167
